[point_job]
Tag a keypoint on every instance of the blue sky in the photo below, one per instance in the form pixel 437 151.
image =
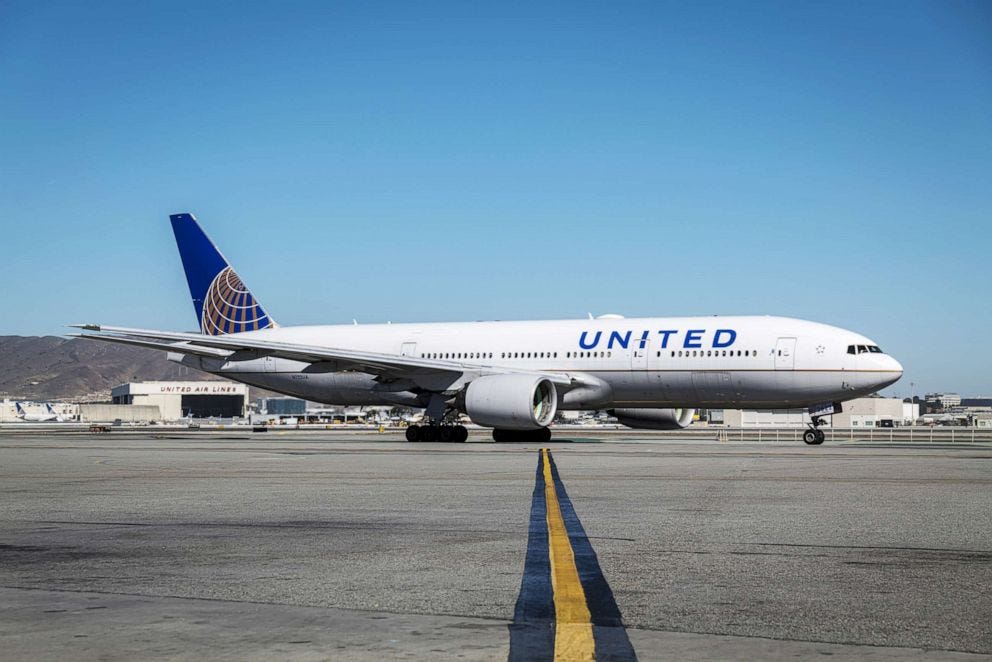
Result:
pixel 435 161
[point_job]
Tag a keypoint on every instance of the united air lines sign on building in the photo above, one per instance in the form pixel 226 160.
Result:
pixel 181 399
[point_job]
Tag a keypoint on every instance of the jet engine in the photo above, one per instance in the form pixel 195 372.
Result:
pixel 654 419
pixel 511 402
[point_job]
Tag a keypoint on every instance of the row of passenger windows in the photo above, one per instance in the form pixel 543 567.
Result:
pixel 715 352
pixel 863 349
pixel 575 355
pixel 503 355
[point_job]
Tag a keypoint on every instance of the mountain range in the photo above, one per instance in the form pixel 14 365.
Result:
pixel 51 368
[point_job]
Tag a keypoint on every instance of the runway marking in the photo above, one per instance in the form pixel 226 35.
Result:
pixel 573 622
pixel 565 609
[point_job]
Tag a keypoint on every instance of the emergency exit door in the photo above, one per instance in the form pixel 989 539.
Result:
pixel 785 354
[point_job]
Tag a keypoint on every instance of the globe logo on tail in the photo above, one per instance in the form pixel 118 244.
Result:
pixel 229 307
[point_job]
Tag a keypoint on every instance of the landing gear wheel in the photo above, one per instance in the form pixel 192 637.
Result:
pixel 428 433
pixel 446 434
pixel 413 433
pixel 461 434
pixel 810 437
pixel 820 436
pixel 540 436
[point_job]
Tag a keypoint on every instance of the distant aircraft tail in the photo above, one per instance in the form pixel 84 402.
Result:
pixel 222 301
pixel 20 409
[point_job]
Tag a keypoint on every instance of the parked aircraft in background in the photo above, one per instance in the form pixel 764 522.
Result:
pixel 49 415
pixel 514 376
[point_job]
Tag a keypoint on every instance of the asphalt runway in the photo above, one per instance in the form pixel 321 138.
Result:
pixel 361 547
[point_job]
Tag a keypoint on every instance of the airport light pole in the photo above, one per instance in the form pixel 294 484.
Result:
pixel 911 403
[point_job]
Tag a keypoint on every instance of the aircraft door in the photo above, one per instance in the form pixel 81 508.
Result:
pixel 639 355
pixel 785 354
pixel 635 384
pixel 408 349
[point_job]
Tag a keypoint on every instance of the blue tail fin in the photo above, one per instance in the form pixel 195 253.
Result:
pixel 222 301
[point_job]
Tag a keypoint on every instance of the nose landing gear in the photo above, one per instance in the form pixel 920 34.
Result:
pixel 814 435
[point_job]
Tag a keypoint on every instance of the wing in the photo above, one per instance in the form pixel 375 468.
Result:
pixel 236 347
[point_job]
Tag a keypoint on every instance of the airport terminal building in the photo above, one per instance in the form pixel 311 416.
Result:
pixel 177 400
pixel 858 413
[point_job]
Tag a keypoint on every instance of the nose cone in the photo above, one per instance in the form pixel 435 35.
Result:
pixel 888 369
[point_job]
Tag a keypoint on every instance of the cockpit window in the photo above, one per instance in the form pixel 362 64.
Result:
pixel 864 349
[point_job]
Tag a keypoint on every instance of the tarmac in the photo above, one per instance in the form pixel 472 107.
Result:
pixel 345 546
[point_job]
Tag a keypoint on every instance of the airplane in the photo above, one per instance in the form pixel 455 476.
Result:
pixel 37 418
pixel 513 377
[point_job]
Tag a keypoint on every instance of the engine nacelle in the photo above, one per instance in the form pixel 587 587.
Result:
pixel 654 419
pixel 511 402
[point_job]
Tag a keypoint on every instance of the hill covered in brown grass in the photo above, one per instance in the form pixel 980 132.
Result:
pixel 52 368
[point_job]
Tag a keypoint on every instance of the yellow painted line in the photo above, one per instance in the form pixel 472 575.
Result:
pixel 573 623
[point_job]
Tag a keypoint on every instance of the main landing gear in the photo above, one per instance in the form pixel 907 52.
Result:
pixel 540 436
pixel 441 424
pixel 814 435
pixel 443 433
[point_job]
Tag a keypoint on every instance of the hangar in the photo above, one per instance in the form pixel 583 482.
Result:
pixel 181 399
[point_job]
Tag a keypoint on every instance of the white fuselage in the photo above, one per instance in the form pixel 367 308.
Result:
pixel 748 362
